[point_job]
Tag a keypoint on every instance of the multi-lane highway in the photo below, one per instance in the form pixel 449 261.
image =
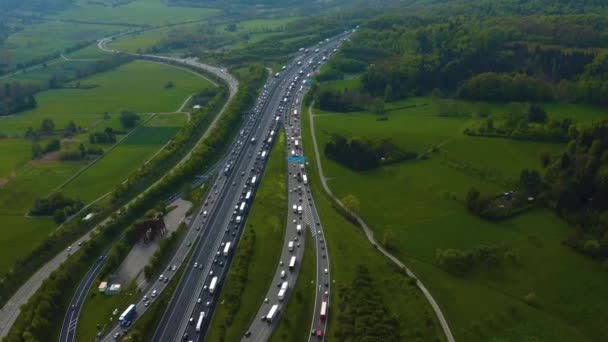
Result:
pixel 302 213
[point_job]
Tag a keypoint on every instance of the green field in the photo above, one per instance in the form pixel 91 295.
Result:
pixel 267 220
pixel 10 163
pixel 295 322
pixel 139 12
pixel 116 165
pixel 141 41
pixel 45 38
pixel 421 210
pixel 348 249
pixel 91 51
pixel 138 86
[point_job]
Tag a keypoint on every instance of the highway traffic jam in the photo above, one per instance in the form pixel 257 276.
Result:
pixel 219 223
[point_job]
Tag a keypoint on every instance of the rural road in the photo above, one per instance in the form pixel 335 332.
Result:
pixel 370 235
pixel 11 310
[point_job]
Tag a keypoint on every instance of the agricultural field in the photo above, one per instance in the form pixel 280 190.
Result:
pixel 421 209
pixel 138 86
pixel 139 12
pixel 89 52
pixel 41 74
pixel 116 165
pixel 50 37
pixel 138 42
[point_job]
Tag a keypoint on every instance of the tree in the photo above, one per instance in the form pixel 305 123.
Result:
pixel 592 247
pixel 71 129
pixel 351 202
pixel 389 94
pixel 47 126
pixel 537 114
pixel 531 182
pixel 484 110
pixel 129 119
pixel 36 151
pixel 59 216
pixel 531 299
pixel 169 84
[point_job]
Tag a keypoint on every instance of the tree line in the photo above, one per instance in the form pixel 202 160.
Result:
pixel 363 154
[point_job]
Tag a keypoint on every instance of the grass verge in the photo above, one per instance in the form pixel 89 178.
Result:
pixel 253 267
pixel 295 323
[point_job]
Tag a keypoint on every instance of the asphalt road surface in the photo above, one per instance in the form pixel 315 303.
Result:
pixel 261 327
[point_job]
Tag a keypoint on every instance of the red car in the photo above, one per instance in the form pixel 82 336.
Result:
pixel 319 333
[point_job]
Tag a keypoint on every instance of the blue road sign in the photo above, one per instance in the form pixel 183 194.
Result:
pixel 296 159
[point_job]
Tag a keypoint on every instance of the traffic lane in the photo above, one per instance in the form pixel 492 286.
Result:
pixel 260 132
pixel 261 330
pixel 237 169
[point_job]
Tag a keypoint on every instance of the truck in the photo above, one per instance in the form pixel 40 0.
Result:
pixel 201 317
pixel 283 290
pixel 272 313
pixel 242 207
pixel 212 285
pixel 300 209
pixel 299 229
pixel 305 179
pixel 292 262
pixel 248 195
pixel 323 310
pixel 127 315
pixel 281 295
pixel 290 246
pixel 253 180
pixel 227 248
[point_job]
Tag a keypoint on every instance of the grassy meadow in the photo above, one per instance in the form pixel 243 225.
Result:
pixel 138 12
pixel 418 207
pixel 138 86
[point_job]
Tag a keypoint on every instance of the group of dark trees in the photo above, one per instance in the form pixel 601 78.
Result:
pixel 343 100
pixel 16 97
pixel 577 187
pixel 57 205
pixel 494 56
pixel 361 154
pixel 526 122
pixel 463 262
pixel 128 118
pixel 364 315
pixel 107 136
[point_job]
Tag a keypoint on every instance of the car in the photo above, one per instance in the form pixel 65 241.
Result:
pixel 80 244
pixel 200 300
pixel 323 255
pixel 313 332
pixel 160 277
pixel 191 320
pixel 248 333
pixel 223 243
pixel 279 284
pixel 195 264
pixel 206 202
pixel 266 300
pixel 319 333
pixel 73 306
pixel 116 336
pixel 233 183
pixel 221 263
pixel 208 304
pixel 146 304
pixel 185 337
pixel 283 274
pixel 189 244
pixel 205 288
pixel 211 272
pixel 154 293
pixel 145 299
pixel 166 280
pixel 215 261
pixel 200 267
pixel 326 283
pixel 281 263
pixel 325 271
pixel 218 253
pixel 69 248
pixel 173 268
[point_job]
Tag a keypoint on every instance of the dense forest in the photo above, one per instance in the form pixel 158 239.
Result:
pixel 8 6
pixel 16 97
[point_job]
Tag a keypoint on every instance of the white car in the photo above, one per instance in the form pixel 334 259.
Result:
pixel 325 270
pixel 199 300
pixel 173 268
pixel 160 278
pixel 195 264
pixel 154 293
